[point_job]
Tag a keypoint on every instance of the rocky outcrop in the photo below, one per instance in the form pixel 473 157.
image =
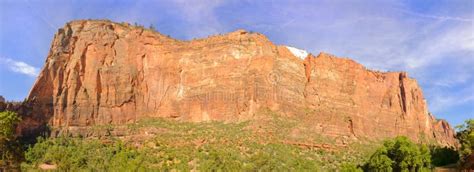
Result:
pixel 369 103
pixel 100 72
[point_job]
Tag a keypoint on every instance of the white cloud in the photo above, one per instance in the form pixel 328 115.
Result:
pixel 437 46
pixel 19 67
pixel 445 100
pixel 201 15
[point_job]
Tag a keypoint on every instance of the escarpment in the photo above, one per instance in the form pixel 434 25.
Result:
pixel 100 72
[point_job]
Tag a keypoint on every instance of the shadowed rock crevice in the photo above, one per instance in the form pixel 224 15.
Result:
pixel 403 93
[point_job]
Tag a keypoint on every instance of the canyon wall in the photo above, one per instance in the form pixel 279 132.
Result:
pixel 100 72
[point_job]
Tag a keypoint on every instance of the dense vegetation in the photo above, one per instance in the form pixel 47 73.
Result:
pixel 465 136
pixel 189 146
pixel 10 149
pixel 75 154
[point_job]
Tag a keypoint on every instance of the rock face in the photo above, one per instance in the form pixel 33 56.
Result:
pixel 100 72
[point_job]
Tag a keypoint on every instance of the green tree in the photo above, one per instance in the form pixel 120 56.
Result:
pixel 349 167
pixel 424 159
pixel 10 150
pixel 8 122
pixel 380 161
pixel 465 136
pixel 400 154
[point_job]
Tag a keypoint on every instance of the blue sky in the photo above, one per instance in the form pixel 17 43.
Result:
pixel 432 40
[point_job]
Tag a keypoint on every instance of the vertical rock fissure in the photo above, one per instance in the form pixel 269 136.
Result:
pixel 351 127
pixel 83 60
pixel 308 70
pixel 402 93
pixel 78 84
pixel 307 67
pixel 99 92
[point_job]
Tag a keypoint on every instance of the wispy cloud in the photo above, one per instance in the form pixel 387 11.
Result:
pixel 454 80
pixel 19 67
pixel 445 100
pixel 201 15
pixel 460 19
pixel 437 46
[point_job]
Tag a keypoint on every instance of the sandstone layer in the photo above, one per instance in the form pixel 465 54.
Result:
pixel 100 72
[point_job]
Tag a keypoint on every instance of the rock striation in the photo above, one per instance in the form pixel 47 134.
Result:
pixel 101 72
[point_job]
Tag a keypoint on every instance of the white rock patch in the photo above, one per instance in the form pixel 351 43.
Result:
pixel 298 52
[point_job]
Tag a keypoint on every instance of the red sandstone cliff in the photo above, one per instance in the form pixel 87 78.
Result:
pixel 99 72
